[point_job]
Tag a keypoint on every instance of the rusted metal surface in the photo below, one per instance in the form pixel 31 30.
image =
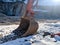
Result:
pixel 32 29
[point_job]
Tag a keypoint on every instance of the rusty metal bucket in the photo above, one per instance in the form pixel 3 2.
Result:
pixel 27 27
pixel 32 28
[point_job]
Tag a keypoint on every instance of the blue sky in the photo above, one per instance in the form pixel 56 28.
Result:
pixel 48 2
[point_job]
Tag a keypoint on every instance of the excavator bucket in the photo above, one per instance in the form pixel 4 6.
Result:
pixel 26 27
pixel 32 28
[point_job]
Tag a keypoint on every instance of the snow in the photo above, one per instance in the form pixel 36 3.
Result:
pixel 36 39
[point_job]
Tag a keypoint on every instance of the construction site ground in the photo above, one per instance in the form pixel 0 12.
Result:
pixel 10 23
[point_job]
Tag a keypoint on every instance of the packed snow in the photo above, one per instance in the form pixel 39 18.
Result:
pixel 36 39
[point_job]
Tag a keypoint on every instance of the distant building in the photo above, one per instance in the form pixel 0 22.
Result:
pixel 10 0
pixel 10 7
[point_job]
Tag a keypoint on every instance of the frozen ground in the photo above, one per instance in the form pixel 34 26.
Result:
pixel 36 39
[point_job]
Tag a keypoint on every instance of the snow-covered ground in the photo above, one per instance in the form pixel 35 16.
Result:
pixel 36 39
